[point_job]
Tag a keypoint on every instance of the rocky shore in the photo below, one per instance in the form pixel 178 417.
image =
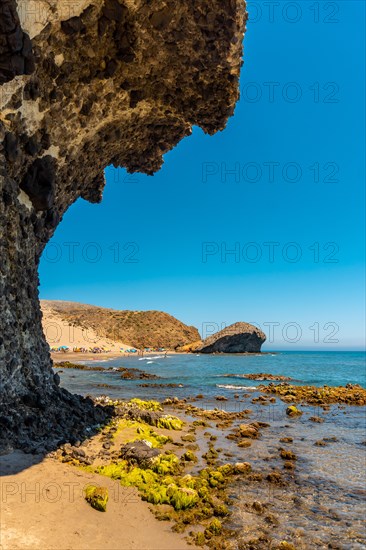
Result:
pixel 351 394
pixel 128 374
pixel 211 477
pixel 259 377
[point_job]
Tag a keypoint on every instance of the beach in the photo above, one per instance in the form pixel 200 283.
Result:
pixel 60 332
pixel 48 496
pixel 282 463
pixel 182 320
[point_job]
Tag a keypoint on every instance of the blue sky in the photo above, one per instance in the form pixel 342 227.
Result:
pixel 282 188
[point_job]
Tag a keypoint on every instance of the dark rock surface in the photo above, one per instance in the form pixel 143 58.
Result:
pixel 139 453
pixel 112 83
pixel 16 56
pixel 237 338
pixel 127 373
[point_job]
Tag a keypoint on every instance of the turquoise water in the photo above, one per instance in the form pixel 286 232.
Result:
pixel 207 374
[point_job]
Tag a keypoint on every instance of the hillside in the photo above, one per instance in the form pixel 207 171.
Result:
pixel 134 328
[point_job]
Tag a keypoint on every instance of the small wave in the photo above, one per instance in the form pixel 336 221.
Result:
pixel 92 361
pixel 149 362
pixel 233 387
pixel 232 375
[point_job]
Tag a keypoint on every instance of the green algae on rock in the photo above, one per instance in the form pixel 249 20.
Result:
pixel 169 422
pixel 293 411
pixel 189 456
pixel 214 528
pixel 97 497
pixel 351 394
pixel 146 405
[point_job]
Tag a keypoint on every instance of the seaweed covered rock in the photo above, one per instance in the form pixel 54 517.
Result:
pixel 351 394
pixel 293 411
pixel 97 497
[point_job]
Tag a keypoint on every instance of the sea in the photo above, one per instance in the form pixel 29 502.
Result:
pixel 208 374
pixel 322 505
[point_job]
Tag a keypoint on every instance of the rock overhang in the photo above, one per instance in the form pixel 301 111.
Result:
pixel 112 82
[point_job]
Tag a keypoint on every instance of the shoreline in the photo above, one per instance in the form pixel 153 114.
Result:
pixel 58 357
pixel 261 454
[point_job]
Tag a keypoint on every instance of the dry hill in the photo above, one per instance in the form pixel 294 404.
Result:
pixel 137 328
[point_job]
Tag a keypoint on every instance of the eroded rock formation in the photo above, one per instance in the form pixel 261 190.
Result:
pixel 237 338
pixel 85 84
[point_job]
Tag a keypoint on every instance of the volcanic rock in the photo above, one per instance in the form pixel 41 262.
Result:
pixel 112 83
pixel 237 338
pixel 139 453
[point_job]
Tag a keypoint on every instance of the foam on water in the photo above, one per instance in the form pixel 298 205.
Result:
pixel 233 387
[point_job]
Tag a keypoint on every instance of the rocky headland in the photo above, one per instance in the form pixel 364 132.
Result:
pixel 236 338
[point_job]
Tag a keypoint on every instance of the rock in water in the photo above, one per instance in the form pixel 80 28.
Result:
pixel 113 82
pixel 237 338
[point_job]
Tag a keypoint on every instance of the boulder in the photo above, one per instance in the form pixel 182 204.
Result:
pixel 293 411
pixel 139 453
pixel 248 430
pixel 242 468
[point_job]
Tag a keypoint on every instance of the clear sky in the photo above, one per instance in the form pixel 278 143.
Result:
pixel 282 188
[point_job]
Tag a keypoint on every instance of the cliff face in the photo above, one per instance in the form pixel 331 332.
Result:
pixel 237 338
pixel 86 84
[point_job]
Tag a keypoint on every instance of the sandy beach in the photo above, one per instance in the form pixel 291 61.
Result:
pixel 59 332
pixel 48 497
pixel 76 356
